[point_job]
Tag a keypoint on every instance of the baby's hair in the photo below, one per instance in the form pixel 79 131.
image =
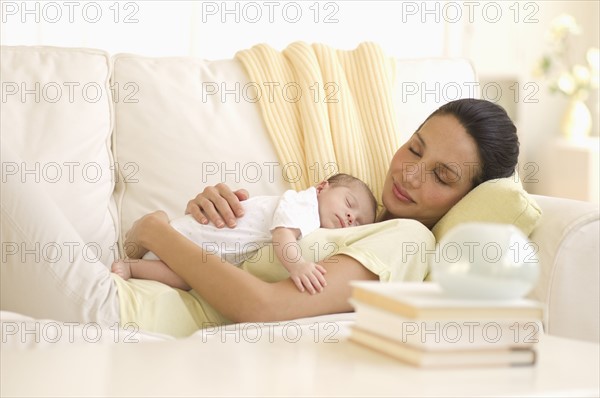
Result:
pixel 343 179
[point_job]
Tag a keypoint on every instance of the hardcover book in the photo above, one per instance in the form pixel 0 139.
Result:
pixel 448 334
pixel 432 359
pixel 426 300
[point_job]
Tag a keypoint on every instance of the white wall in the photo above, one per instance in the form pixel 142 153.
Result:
pixel 217 29
pixel 503 39
pixel 509 50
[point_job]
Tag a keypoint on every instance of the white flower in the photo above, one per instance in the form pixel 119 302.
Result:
pixel 573 80
pixel 566 83
pixel 581 74
pixel 564 25
pixel 593 58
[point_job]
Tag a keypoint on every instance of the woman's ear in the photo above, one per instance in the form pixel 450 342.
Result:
pixel 322 185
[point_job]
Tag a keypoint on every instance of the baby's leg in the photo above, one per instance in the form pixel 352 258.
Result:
pixel 150 266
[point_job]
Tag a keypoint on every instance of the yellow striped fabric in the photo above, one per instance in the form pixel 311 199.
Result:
pixel 329 110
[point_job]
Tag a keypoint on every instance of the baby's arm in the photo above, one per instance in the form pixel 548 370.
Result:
pixel 154 270
pixel 305 274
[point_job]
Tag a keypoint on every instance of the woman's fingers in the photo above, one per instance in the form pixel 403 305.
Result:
pixel 218 204
pixel 214 207
pixel 242 194
pixel 193 208
pixel 228 204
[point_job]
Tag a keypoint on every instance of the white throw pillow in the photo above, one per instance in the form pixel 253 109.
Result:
pixel 502 201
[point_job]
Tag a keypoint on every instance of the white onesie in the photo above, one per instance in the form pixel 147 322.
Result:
pixel 262 214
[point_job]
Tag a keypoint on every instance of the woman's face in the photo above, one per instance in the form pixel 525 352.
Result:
pixel 431 172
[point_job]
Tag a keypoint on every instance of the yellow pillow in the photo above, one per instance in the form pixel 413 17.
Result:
pixel 501 200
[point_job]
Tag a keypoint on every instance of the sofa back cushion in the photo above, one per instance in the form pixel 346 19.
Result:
pixel 183 124
pixel 56 118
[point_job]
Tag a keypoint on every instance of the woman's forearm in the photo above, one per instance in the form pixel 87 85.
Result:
pixel 233 292
pixel 239 295
pixel 157 270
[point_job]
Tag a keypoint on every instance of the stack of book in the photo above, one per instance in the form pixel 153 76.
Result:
pixel 419 324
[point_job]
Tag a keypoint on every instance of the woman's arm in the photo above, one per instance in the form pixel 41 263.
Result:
pixel 237 294
pixel 156 270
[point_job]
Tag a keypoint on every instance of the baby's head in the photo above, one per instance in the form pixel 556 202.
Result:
pixel 345 201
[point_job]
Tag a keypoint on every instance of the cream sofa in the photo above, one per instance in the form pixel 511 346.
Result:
pixel 110 138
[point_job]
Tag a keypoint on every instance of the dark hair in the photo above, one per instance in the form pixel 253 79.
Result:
pixel 493 131
pixel 347 179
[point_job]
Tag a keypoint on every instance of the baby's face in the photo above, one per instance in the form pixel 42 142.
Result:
pixel 344 206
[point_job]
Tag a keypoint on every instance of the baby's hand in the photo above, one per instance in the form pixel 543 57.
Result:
pixel 308 275
pixel 122 268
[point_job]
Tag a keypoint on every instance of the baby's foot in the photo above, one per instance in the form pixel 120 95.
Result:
pixel 122 268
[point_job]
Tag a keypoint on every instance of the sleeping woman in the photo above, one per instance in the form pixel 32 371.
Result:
pixel 459 146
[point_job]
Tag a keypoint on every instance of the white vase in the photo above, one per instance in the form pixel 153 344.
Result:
pixel 577 120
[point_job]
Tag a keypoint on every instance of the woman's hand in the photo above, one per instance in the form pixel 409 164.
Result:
pixel 134 238
pixel 216 204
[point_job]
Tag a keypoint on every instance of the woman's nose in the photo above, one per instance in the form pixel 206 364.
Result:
pixel 412 174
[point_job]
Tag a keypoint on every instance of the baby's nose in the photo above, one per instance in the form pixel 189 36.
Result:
pixel 351 218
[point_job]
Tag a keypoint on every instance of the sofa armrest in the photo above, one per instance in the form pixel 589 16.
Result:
pixel 568 241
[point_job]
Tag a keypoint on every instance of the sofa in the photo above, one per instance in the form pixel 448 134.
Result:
pixel 112 137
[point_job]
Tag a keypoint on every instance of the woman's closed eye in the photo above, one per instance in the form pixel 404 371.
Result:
pixel 438 178
pixel 414 151
pixel 443 176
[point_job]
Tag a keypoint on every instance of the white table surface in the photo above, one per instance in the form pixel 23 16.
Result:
pixel 274 364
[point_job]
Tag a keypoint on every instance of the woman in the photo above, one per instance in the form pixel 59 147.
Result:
pixel 462 144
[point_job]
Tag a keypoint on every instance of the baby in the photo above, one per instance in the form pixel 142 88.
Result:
pixel 341 201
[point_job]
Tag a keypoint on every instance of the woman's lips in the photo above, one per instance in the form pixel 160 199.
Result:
pixel 401 194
